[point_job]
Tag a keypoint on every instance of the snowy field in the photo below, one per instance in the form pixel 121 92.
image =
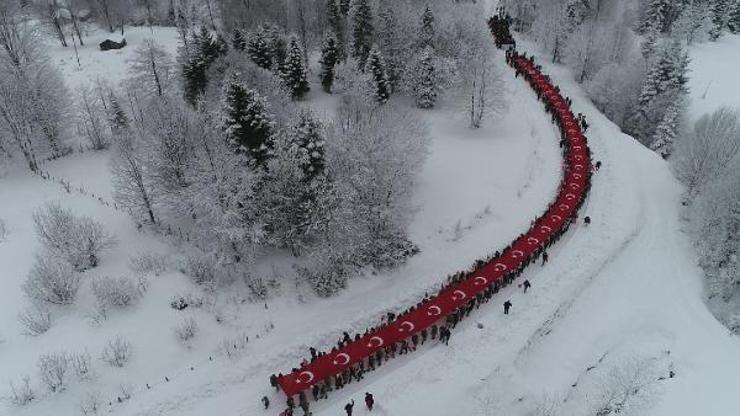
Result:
pixel 622 297
pixel 714 75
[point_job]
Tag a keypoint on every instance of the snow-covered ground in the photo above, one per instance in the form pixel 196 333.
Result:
pixel 713 76
pixel 622 293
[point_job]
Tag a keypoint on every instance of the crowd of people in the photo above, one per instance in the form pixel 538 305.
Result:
pixel 441 331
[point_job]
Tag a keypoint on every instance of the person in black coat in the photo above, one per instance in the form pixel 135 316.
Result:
pixel 348 407
pixel 369 401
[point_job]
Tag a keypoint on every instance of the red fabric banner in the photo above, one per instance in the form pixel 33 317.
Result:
pixel 573 188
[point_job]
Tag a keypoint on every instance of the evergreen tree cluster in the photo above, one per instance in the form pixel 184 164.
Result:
pixel 204 48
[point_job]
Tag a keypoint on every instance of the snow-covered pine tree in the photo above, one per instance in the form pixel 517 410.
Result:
pixel 259 49
pixel 362 30
pixel 655 16
pixel 425 80
pixel 329 58
pixel 734 18
pixel 294 71
pixel 344 6
pixel 307 137
pixel 246 121
pixel 336 24
pixel 720 12
pixel 117 118
pixel 204 49
pixel 426 28
pixel 278 46
pixel 238 41
pixel 393 44
pixel 667 130
pixel 665 82
pixel 376 67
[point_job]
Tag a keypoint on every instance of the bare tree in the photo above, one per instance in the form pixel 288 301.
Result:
pixel 707 151
pixel 131 187
pixel 152 66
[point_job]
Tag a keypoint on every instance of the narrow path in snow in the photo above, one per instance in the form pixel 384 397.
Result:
pixel 467 290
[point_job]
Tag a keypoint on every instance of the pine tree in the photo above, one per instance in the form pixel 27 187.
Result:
pixel 329 59
pixel 336 24
pixel 362 30
pixel 665 83
pixel 117 119
pixel 376 68
pixel 238 41
pixel 655 16
pixel 344 6
pixel 734 18
pixel 307 138
pixel 425 88
pixel 667 130
pixel 260 50
pixel 205 50
pixel 426 29
pixel 294 71
pixel 391 44
pixel 246 121
pixel 720 12
pixel 278 46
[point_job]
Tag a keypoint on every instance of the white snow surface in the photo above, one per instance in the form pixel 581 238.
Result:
pixel 714 79
pixel 626 288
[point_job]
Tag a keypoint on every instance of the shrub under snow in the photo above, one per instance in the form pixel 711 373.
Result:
pixel 78 240
pixel 36 319
pixel 53 371
pixel 51 280
pixel 114 291
pixel 148 263
pixel 117 352
pixel 186 330
pixel 23 394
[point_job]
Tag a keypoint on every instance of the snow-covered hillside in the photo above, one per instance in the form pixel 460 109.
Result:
pixel 619 304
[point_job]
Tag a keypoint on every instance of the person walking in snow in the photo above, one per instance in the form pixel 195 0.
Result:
pixel 274 382
pixel 348 407
pixel 545 257
pixel 526 285
pixel 265 402
pixel 369 401
pixel 587 220
pixel 507 306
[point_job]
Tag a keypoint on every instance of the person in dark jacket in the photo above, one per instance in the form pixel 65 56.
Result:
pixel 348 407
pixel 526 285
pixel 369 401
pixel 265 402
pixel 507 306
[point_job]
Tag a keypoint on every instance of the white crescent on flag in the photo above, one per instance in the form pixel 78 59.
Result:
pixel 517 254
pixel 459 295
pixel 570 197
pixel 434 310
pixel 532 241
pixel 577 176
pixel 341 359
pixel 407 326
pixel 545 229
pixel 309 377
pixel 578 157
pixel 556 217
pixel 500 267
pixel 375 342
pixel 481 281
pixel 564 207
pixel 574 186
pixel 578 167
